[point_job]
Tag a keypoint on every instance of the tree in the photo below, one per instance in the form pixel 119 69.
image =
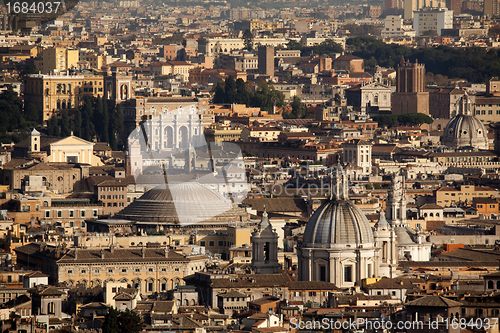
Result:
pixel 293 45
pixel 111 322
pixel 31 69
pixel 266 97
pixel 31 112
pixel 494 31
pixel 77 123
pixel 230 91
pixel 248 40
pixel 53 126
pixel 101 119
pixel 130 322
pixel 116 126
pixel 219 93
pixel 127 321
pixel 384 120
pixel 244 94
pixel 65 126
pixel 88 128
pixel 299 110
pixel 287 76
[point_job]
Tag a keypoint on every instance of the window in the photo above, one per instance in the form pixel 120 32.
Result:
pixel 221 243
pixel 47 213
pixel 97 271
pixel 177 270
pixel 150 270
pixel 82 213
pixel 110 270
pixel 71 213
pixel 348 274
pixel 211 243
pixel 84 271
pixel 202 243
pixel 124 270
pixel 70 271
pixel 137 270
pixel 59 213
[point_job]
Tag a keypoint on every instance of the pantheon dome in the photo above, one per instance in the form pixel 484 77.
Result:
pixel 183 203
pixel 465 130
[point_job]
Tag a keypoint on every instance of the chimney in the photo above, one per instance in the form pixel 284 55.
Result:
pixel 76 253
pixel 102 253
pixel 166 251
pixel 143 252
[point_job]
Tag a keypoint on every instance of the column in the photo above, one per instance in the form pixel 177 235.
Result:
pixel 332 267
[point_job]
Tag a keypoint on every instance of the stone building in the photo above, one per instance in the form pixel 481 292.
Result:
pixel 148 269
pixel 410 95
pixel 54 94
pixel 339 245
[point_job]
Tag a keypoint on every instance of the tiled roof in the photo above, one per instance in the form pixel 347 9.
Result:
pixel 434 301
pixel 278 204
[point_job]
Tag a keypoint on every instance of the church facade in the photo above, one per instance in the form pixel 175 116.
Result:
pixel 339 245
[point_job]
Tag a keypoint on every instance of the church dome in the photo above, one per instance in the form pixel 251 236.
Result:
pixel 465 131
pixel 338 221
pixel 184 203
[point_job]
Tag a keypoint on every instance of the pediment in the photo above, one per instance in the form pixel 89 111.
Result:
pixel 71 141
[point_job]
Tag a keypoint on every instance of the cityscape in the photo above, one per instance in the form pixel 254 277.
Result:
pixel 250 167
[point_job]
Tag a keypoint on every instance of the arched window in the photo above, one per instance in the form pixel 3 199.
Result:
pixel 63 88
pixel 69 88
pixel 63 105
pixel 58 103
pixel 490 284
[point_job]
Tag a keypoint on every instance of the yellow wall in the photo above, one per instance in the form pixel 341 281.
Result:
pixel 73 146
pixel 58 58
pixel 466 192
pixel 46 92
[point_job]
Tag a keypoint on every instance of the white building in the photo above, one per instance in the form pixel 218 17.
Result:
pixel 359 152
pixel 434 19
pixel 339 245
pixel 412 244
pixel 394 27
pixel 410 6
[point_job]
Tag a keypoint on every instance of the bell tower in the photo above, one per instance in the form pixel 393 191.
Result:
pixel 385 240
pixel 34 148
pixel 265 248
pixel 396 202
